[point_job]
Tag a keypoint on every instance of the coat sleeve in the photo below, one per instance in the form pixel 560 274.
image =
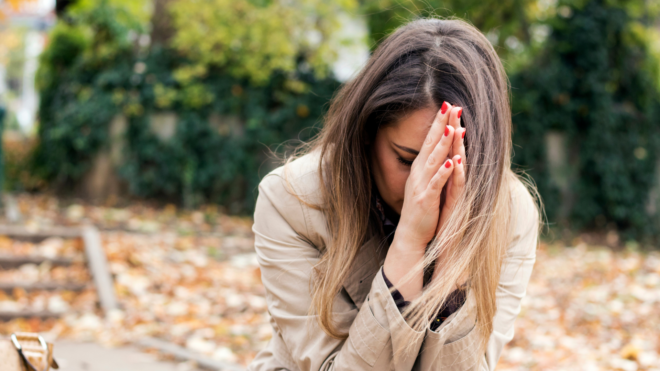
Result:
pixel 455 354
pixel 286 257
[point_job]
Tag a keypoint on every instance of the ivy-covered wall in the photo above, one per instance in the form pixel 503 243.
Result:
pixel 223 126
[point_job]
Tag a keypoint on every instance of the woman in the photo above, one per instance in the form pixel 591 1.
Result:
pixel 401 240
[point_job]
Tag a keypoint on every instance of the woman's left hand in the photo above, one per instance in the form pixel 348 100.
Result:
pixel 456 182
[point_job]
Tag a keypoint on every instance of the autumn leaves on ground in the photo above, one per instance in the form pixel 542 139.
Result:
pixel 191 277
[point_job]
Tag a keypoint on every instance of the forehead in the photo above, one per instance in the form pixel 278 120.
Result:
pixel 411 130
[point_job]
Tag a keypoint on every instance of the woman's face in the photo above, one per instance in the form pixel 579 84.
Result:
pixel 393 151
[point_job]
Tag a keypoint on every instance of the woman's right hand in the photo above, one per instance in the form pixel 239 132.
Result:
pixel 421 204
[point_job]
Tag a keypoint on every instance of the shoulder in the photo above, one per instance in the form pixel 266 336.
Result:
pixel 294 191
pixel 299 176
pixel 523 202
pixel 525 217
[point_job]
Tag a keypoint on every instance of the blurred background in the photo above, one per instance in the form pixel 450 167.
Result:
pixel 152 121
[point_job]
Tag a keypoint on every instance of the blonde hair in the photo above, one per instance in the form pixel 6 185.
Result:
pixel 422 64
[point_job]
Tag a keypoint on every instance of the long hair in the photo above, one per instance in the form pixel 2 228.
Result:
pixel 420 65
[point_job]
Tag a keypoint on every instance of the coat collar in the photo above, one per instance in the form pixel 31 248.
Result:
pixel 371 255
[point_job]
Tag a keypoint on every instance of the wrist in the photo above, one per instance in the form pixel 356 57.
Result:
pixel 407 241
pixel 402 258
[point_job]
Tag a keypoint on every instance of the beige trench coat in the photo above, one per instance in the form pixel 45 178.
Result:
pixel 288 238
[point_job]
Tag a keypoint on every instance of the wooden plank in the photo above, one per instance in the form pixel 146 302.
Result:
pixel 96 258
pixel 14 261
pixel 184 354
pixel 25 234
pixel 47 286
pixel 8 316
pixel 98 265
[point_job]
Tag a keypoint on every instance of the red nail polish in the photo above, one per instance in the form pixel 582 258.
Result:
pixel 444 108
pixel 448 164
pixel 463 135
pixel 446 131
pixel 459 160
pixel 460 111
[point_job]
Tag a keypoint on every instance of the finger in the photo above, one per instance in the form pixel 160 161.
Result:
pixel 458 175
pixel 440 178
pixel 455 117
pixel 458 144
pixel 448 185
pixel 447 189
pixel 444 199
pixel 435 133
pixel 457 180
pixel 455 122
pixel 438 156
pixel 461 145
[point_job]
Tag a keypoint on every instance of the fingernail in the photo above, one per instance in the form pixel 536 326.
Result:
pixel 463 135
pixel 448 164
pixel 444 108
pixel 459 160
pixel 460 111
pixel 446 130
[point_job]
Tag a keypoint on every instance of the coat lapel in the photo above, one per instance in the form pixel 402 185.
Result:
pixel 369 259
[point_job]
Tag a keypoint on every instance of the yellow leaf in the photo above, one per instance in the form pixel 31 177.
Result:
pixel 630 352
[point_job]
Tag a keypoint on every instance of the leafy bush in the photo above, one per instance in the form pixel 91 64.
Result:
pixel 92 72
pixel 591 84
pixel 255 39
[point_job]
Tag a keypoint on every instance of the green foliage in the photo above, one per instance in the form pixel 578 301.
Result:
pixel 132 11
pixel 106 75
pixel 255 39
pixel 591 84
pixel 508 23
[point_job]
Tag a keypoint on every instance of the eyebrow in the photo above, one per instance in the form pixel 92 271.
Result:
pixel 409 150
